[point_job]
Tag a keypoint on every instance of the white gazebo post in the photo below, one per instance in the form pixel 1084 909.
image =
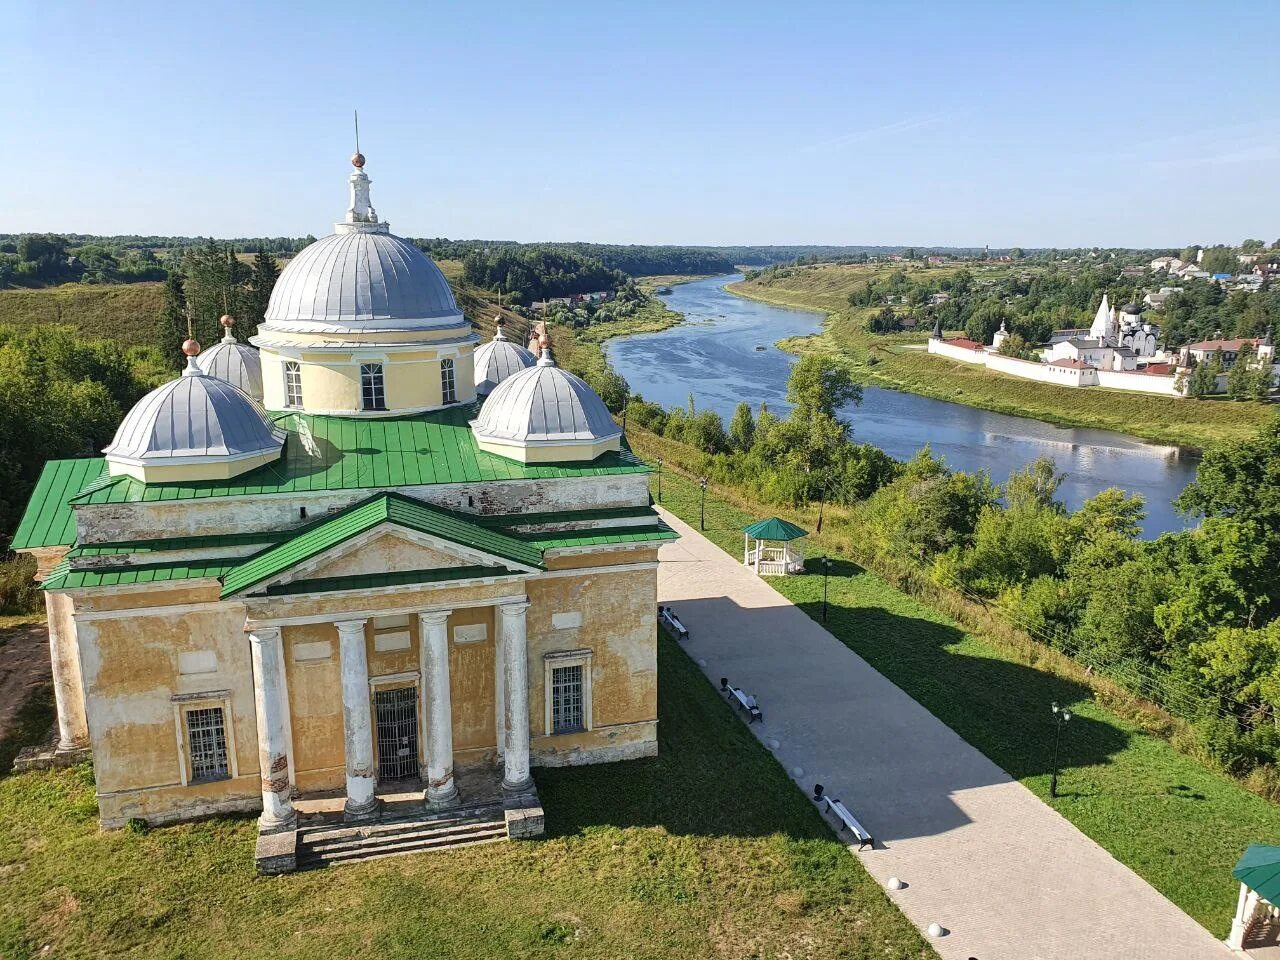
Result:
pixel 357 729
pixel 515 654
pixel 1246 907
pixel 433 627
pixel 269 694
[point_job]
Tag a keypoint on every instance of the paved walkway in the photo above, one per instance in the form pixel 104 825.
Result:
pixel 1006 875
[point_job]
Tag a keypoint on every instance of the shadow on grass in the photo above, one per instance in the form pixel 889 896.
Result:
pixel 31 725
pixel 999 706
pixel 711 776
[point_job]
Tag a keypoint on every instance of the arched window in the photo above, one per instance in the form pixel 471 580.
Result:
pixel 292 384
pixel 448 386
pixel 372 393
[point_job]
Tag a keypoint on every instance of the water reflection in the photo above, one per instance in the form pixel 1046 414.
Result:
pixel 725 354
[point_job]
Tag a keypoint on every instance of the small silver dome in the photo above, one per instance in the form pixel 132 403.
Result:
pixel 235 362
pixel 499 359
pixel 196 419
pixel 545 406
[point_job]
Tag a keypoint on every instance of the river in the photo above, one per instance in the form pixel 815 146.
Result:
pixel 716 355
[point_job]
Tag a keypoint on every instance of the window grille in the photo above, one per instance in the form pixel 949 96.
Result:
pixel 372 394
pixel 448 387
pixel 292 384
pixel 207 744
pixel 566 699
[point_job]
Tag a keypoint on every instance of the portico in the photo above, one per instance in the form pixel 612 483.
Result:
pixel 365 740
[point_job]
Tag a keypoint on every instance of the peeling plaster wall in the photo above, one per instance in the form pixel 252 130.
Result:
pixel 619 625
pixel 132 668
pixel 388 551
pixel 315 705
pixel 104 523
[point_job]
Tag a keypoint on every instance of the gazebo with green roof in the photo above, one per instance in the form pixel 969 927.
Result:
pixel 1258 871
pixel 774 547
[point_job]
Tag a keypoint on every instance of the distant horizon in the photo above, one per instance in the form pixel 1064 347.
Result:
pixel 856 247
pixel 1045 126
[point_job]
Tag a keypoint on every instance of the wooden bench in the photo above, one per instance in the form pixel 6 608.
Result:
pixel 667 617
pixel 849 822
pixel 745 701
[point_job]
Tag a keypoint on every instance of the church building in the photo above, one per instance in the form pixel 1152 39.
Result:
pixel 314 577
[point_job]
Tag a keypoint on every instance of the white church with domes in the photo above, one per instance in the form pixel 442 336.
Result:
pixel 359 571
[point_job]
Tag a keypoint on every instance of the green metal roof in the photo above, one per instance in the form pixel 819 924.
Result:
pixel 591 538
pixel 48 521
pixel 338 453
pixel 395 508
pixel 564 516
pixel 62 577
pixel 211 541
pixel 392 578
pixel 774 529
pixel 1259 870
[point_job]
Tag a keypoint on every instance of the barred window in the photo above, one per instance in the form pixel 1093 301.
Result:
pixel 448 387
pixel 207 744
pixel 292 384
pixel 372 394
pixel 567 713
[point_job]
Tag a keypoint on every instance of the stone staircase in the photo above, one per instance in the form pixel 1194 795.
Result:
pixel 321 843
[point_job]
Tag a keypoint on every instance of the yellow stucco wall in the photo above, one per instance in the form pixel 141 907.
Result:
pixel 331 381
pixel 133 668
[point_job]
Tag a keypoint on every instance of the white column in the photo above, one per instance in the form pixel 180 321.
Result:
pixel 433 627
pixel 499 691
pixel 515 666
pixel 273 736
pixel 357 729
pixel 72 732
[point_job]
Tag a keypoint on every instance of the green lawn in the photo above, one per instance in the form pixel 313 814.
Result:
pixel 706 851
pixel 900 364
pixel 1175 822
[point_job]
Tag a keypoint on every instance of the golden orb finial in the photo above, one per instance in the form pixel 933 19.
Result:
pixel 190 347
pixel 227 320
pixel 357 160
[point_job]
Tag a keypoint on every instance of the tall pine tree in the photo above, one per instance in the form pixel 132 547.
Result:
pixel 173 325
pixel 266 271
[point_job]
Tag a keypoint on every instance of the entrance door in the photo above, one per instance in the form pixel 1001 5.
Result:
pixel 397 717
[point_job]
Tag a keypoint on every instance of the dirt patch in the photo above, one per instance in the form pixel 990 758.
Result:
pixel 24 669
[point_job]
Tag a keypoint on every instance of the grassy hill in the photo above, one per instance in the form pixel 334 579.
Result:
pixel 899 361
pixel 127 313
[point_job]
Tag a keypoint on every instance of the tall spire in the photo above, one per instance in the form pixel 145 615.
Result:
pixel 361 210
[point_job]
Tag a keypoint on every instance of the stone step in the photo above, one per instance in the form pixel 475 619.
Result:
pixel 374 834
pixel 393 845
pixel 405 814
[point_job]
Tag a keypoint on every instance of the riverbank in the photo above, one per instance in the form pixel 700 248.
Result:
pixel 900 362
pixel 1130 775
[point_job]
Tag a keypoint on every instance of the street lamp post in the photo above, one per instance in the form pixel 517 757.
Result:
pixel 659 479
pixel 1060 717
pixel 702 511
pixel 826 570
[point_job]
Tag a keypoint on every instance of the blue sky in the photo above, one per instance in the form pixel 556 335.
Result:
pixel 1016 123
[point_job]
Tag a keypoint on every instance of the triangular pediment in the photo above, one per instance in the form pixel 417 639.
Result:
pixel 385 535
pixel 388 548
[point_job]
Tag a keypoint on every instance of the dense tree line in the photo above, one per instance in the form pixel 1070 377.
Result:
pixel 42 259
pixel 525 274
pixel 1188 620
pixel 63 397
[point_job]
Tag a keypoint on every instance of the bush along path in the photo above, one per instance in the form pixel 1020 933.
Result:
pixel 1177 824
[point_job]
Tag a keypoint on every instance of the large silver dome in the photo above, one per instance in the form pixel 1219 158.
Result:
pixel 497 360
pixel 236 363
pixel 195 419
pixel 361 277
pixel 545 406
